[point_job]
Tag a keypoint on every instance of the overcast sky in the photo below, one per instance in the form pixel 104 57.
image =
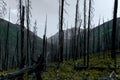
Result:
pixel 41 8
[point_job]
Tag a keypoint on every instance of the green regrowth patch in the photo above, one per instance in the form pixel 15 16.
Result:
pixel 67 72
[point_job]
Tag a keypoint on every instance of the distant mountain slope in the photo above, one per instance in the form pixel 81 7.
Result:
pixel 55 37
pixel 13 40
pixel 105 40
pixel 101 41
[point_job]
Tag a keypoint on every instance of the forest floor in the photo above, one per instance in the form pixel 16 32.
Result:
pixel 68 72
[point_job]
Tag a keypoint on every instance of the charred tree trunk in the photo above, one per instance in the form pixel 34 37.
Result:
pixel 22 62
pixel 94 41
pixel 89 24
pixel 104 40
pixel 74 37
pixel 84 32
pixel 28 62
pixel 61 33
pixel 52 51
pixel 66 49
pixel 98 40
pixel 17 50
pixel 113 53
pixel 79 42
pixel 44 44
pixel 7 47
pixel 34 43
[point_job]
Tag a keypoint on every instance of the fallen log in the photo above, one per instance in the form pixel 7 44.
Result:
pixel 36 68
pixel 18 73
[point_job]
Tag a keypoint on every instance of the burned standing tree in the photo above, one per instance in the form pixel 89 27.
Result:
pixel 45 44
pixel 22 62
pixel 89 24
pixel 7 44
pixel 61 33
pixel 74 37
pixel 34 42
pixel 66 49
pixel 52 51
pixel 113 53
pixel 19 38
pixel 98 39
pixel 28 62
pixel 84 32
pixel 94 41
pixel 0 50
pixel 79 41
pixel 72 43
pixel 104 39
pixel 17 50
pixel 3 46
pixel 108 38
pixel 82 44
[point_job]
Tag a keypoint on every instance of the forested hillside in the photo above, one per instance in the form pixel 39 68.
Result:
pixel 13 44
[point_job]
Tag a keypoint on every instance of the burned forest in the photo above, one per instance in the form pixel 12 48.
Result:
pixel 59 40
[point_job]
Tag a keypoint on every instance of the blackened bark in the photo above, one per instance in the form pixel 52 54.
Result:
pixel 16 50
pixel 75 38
pixel 98 39
pixel 61 33
pixel 7 47
pixel 89 24
pixel 84 32
pixel 104 40
pixel 45 44
pixel 34 43
pixel 113 53
pixel 94 42
pixel 22 62
pixel 28 33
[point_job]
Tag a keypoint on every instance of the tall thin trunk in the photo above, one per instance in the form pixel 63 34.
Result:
pixel 34 43
pixel 20 9
pixel 22 37
pixel 113 55
pixel 61 33
pixel 22 62
pixel 79 42
pixel 104 39
pixel 0 50
pixel 16 50
pixel 89 24
pixel 7 45
pixel 66 49
pixel 72 43
pixel 94 41
pixel 28 34
pixel 84 32
pixel 44 43
pixel 75 40
pixel 98 39
pixel 52 51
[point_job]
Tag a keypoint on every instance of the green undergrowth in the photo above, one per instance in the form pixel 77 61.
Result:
pixel 67 72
